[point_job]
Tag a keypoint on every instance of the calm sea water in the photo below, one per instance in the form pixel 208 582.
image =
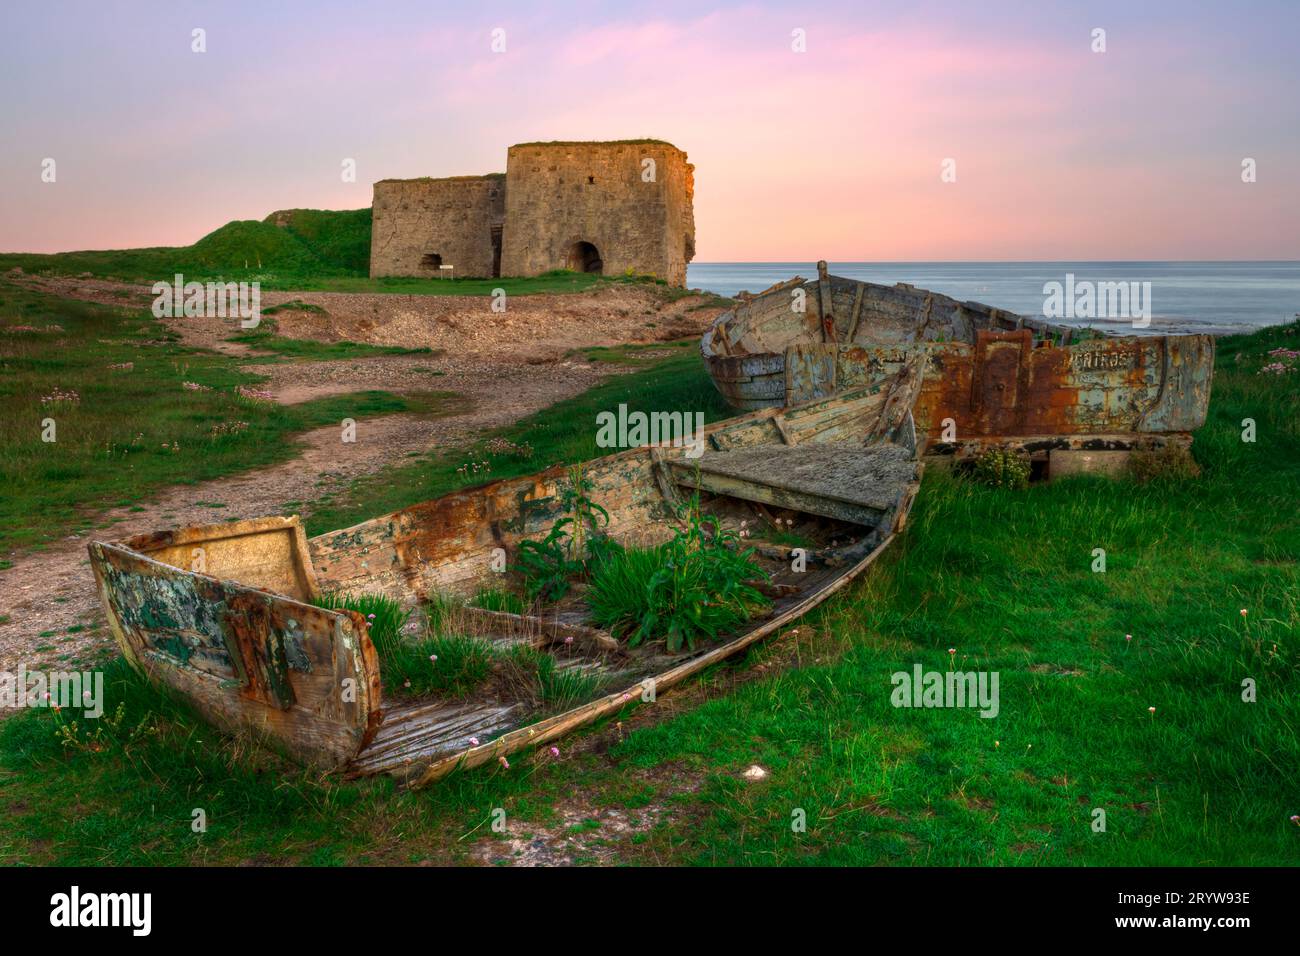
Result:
pixel 1211 297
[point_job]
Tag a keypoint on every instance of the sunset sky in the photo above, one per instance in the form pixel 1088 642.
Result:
pixel 1061 153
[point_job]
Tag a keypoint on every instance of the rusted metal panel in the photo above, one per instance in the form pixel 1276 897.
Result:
pixel 992 372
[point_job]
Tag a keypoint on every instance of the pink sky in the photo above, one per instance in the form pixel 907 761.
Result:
pixel 1061 153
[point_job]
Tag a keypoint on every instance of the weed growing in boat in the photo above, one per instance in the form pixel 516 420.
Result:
pixel 1001 468
pixel 546 566
pixel 563 688
pixel 527 673
pixel 385 616
pixel 495 599
pixel 442 613
pixel 549 565
pixel 699 584
pixel 451 665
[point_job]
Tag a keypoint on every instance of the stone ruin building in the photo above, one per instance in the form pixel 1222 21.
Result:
pixel 610 208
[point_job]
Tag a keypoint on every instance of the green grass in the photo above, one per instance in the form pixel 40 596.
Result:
pixel 136 428
pixel 1002 576
pixel 314 243
pixel 496 599
pixel 312 250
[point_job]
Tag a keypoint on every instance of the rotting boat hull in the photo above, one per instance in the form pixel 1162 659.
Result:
pixel 991 377
pixel 223 614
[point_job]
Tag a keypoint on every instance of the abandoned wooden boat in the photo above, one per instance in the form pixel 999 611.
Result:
pixel 227 615
pixel 992 378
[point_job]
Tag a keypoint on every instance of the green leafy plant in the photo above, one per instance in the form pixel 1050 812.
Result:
pixel 548 566
pixel 700 584
pixel 1001 468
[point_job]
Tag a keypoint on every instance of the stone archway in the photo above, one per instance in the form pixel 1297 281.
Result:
pixel 584 257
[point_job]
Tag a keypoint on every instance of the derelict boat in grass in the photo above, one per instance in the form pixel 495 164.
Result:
pixel 243 642
pixel 1000 379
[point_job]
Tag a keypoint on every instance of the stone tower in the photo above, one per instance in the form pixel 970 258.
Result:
pixel 599 207
pixel 609 208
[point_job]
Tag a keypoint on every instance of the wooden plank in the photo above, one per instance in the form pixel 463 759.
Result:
pixel 550 630
pixel 795 499
pixel 825 307
pixel 807 477
pixel 856 316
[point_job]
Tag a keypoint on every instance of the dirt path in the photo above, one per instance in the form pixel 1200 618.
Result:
pixel 504 376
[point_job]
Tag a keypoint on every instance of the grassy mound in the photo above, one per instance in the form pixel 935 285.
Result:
pixel 295 243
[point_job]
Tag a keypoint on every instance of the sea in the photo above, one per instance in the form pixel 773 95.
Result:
pixel 1214 297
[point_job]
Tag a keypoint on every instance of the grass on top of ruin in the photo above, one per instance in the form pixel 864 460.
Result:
pixel 101 407
pixel 1121 691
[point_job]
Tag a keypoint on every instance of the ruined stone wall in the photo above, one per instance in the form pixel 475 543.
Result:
pixel 419 222
pixel 562 195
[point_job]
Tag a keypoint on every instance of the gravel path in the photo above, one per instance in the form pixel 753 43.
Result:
pixel 507 370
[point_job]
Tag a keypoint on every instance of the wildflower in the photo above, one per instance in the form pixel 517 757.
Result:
pixel 569 639
pixel 434 658
pixel 555 751
pixel 370 617
pixel 1243 612
pixel 473 741
pixel 1295 818
pixel 1151 710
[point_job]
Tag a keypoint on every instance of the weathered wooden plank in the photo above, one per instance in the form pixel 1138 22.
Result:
pixel 245 658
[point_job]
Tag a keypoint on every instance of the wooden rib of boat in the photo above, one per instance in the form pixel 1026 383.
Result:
pixel 225 614
pixel 991 377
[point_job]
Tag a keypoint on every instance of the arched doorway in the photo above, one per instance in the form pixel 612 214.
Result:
pixel 584 257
